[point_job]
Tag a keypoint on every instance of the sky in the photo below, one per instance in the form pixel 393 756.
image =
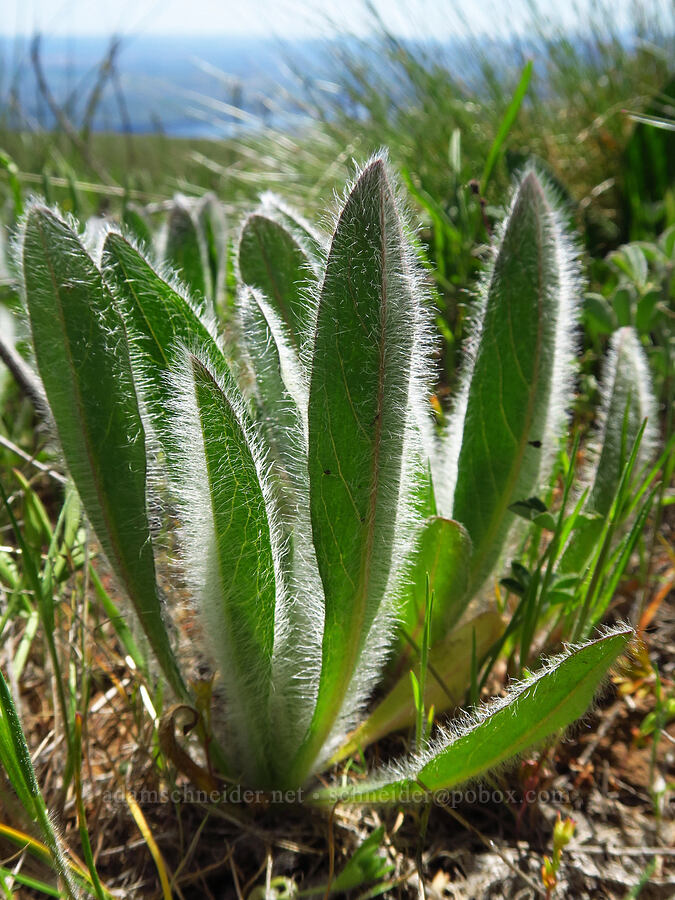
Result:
pixel 274 18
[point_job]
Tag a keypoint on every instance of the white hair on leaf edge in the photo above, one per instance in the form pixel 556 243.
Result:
pixel 409 768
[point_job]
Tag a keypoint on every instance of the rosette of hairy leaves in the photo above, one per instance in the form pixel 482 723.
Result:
pixel 83 360
pixel 366 379
pixel 308 514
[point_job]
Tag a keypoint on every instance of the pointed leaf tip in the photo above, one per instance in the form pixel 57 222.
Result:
pixel 531 184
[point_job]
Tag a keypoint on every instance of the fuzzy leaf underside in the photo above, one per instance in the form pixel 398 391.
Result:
pixel 185 250
pixel 158 320
pixel 361 371
pixel 274 262
pixel 229 556
pixel 548 702
pixel 83 360
pixel 512 387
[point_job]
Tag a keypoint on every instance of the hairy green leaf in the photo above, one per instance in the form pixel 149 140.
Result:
pixel 532 711
pixel 158 320
pixel 229 555
pixel 83 360
pixel 446 683
pixel 362 374
pixel 627 400
pixel 185 249
pixel 443 553
pixel 272 259
pixel 313 241
pixel 511 407
pixel 134 220
pixel 280 384
pixel 281 401
pixel 211 220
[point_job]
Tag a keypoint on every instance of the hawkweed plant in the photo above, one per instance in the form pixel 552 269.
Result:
pixel 317 509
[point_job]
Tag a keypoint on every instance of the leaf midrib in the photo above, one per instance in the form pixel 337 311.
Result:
pixel 359 607
pixel 367 557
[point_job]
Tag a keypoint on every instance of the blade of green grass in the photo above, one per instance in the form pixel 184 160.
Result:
pixel 37 808
pixel 506 124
